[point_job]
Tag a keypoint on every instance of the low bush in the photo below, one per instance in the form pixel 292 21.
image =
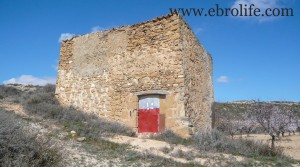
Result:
pixel 20 148
pixel 49 88
pixel 172 138
pixel 217 142
pixel 40 97
pixel 6 91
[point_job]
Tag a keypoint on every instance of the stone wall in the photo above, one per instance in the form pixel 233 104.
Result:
pixel 197 64
pixel 101 72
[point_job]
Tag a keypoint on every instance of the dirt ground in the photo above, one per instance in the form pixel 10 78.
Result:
pixel 141 144
pixel 290 144
pixel 75 154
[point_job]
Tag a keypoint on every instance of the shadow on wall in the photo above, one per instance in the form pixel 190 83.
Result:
pixel 41 101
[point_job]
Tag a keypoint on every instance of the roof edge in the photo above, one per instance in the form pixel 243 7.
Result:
pixel 132 25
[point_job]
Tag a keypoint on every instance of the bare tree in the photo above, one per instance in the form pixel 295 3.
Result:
pixel 229 123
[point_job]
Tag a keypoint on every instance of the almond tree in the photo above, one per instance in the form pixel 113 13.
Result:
pixel 292 122
pixel 292 127
pixel 273 119
pixel 229 123
pixel 248 122
pixel 280 120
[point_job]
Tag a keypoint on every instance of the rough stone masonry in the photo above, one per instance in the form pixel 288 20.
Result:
pixel 113 73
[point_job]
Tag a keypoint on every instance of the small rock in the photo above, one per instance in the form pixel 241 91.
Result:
pixel 73 133
pixel 80 139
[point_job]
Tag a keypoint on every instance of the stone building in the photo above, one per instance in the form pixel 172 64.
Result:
pixel 151 76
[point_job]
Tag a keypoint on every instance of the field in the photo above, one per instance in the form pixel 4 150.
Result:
pixel 289 144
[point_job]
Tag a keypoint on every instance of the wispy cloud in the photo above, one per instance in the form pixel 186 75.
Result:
pixel 31 80
pixel 65 36
pixel 102 28
pixel 97 29
pixel 197 30
pixel 261 4
pixel 55 66
pixel 223 79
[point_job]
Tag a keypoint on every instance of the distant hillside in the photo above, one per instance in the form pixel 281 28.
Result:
pixel 239 107
pixel 269 102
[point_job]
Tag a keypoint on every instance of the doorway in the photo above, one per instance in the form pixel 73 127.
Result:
pixel 148 113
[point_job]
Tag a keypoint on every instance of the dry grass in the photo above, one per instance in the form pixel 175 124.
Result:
pixel 19 147
pixel 289 144
pixel 212 142
pixel 43 103
pixel 172 138
pixel 6 91
pixel 218 142
pixel 40 102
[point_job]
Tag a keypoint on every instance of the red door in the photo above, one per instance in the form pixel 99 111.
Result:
pixel 148 118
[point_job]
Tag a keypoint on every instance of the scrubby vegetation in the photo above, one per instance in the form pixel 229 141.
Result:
pixel 232 119
pixel 20 147
pixel 41 103
pixel 171 138
pixel 229 120
pixel 216 141
pixel 272 118
pixel 6 91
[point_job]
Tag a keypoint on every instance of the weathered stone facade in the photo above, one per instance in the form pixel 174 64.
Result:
pixel 106 73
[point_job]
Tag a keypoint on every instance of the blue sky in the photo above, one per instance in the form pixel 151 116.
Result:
pixel 253 58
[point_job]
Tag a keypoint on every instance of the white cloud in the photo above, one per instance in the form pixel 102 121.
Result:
pixel 31 80
pixel 261 4
pixel 223 79
pixel 65 36
pixel 97 29
pixel 197 30
pixel 55 66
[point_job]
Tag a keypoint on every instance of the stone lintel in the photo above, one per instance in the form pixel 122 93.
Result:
pixel 149 92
